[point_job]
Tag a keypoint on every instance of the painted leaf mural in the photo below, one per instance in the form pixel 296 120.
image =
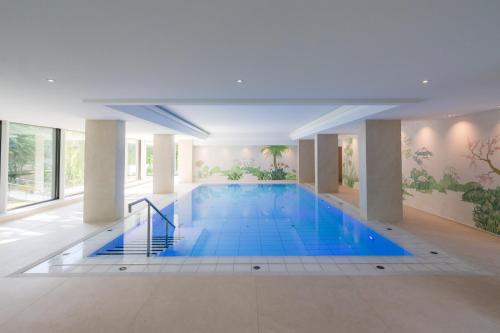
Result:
pixel 238 163
pixel 469 178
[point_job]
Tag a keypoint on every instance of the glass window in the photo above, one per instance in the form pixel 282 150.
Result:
pixel 149 159
pixel 132 160
pixel 74 157
pixel 32 164
pixel 176 160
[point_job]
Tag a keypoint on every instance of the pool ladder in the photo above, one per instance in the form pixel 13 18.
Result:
pixel 149 222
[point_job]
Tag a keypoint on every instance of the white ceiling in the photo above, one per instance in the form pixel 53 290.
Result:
pixel 234 119
pixel 282 49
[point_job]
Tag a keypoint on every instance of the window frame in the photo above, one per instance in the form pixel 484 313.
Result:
pixel 57 167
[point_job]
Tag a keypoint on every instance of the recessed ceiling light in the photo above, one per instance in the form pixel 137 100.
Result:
pixel 239 81
pixel 451 115
pixel 425 81
pixel 51 80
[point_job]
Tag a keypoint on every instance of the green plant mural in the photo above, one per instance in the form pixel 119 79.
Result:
pixel 486 211
pixel 279 171
pixel 275 151
pixel 349 174
pixel 276 171
pixel 235 173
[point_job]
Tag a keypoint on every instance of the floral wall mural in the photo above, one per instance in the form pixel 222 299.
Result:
pixel 244 163
pixel 451 168
pixel 349 160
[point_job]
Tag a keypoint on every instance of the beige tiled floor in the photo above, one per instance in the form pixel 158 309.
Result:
pixel 252 303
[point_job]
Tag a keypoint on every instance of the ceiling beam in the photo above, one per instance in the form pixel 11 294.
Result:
pixel 340 116
pixel 160 115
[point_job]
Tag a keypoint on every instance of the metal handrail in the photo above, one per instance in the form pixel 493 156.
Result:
pixel 150 204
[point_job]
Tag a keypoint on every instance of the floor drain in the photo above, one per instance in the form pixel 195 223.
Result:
pixel 380 267
pixel 389 228
pixel 293 225
pixel 256 267
pixel 434 252
pixel 65 254
pixel 123 268
pixel 110 229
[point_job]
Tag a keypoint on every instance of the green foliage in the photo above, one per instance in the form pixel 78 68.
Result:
pixel 450 180
pixel 421 181
pixel 486 213
pixel 257 172
pixel 149 160
pixel 349 180
pixel 21 155
pixel 421 155
pixel 291 175
pixel 277 171
pixel 276 151
pixel 349 174
pixel 235 173
pixel 73 162
pixel 278 174
pixel 215 170
pixel 204 171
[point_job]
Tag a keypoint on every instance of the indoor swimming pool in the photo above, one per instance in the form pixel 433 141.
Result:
pixel 253 220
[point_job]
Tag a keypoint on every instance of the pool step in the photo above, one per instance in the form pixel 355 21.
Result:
pixel 139 247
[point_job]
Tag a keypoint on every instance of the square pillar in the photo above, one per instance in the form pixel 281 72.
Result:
pixel 185 167
pixel 326 163
pixel 104 172
pixel 163 163
pixel 380 174
pixel 305 165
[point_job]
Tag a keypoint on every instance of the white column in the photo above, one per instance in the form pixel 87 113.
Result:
pixel 104 170
pixel 305 165
pixel 326 163
pixel 4 166
pixel 380 196
pixel 185 167
pixel 163 163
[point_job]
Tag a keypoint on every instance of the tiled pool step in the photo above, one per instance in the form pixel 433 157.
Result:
pixel 139 247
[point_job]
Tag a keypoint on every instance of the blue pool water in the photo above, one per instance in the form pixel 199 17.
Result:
pixel 258 220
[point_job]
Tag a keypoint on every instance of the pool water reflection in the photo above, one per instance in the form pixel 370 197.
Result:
pixel 258 220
